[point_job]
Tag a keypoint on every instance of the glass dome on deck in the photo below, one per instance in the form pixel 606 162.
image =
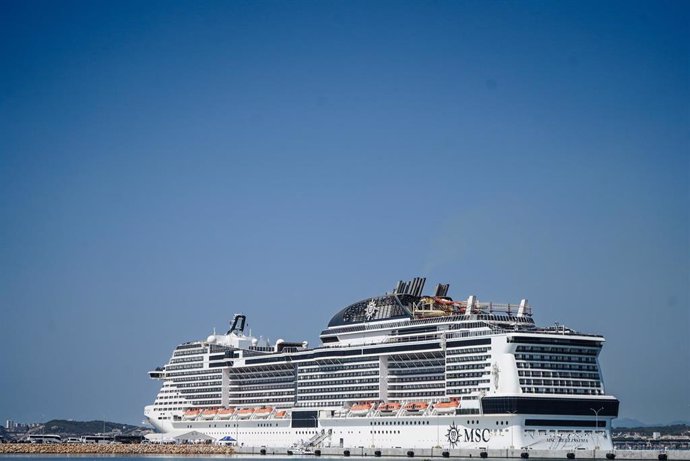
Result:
pixel 388 307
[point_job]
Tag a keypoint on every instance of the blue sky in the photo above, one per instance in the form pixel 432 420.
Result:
pixel 166 164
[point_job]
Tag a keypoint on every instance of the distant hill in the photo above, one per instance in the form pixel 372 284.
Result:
pixel 62 426
pixel 673 429
pixel 628 422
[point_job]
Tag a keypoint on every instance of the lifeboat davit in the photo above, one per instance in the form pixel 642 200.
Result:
pixel 245 413
pixel 361 409
pixel 191 414
pixel 446 407
pixel 389 408
pixel 225 413
pixel 416 407
pixel 263 412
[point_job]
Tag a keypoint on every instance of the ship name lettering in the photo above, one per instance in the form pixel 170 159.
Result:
pixel 477 435
pixel 566 439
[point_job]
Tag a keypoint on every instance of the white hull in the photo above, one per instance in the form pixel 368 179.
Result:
pixel 445 431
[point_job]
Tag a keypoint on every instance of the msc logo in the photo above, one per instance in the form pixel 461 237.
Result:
pixel 454 435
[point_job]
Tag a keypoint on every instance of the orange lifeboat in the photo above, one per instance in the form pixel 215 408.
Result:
pixel 209 414
pixel 281 414
pixel 225 413
pixel 389 408
pixel 361 409
pixel 245 413
pixel 416 407
pixel 446 407
pixel 191 414
pixel 263 412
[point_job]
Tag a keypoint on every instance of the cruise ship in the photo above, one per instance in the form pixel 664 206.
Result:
pixel 402 369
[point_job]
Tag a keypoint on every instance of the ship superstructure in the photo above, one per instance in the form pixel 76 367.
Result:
pixel 399 370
